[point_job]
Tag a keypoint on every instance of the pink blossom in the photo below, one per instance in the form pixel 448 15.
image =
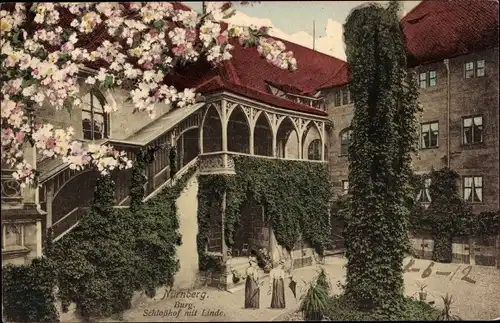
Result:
pixel 221 39
pixel 178 50
pixel 190 35
pixel 20 136
pixel 51 143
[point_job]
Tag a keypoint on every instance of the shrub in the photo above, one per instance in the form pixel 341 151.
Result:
pixel 339 309
pixel 28 292
pixel 314 303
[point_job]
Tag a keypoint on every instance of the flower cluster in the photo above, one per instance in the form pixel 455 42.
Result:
pixel 43 57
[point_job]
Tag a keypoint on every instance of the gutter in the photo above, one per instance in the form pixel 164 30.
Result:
pixel 448 159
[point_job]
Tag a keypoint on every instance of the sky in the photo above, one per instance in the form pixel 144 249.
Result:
pixel 293 20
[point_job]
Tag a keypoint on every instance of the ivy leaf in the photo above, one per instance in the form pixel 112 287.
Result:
pixel 108 82
pixel 68 103
pixel 158 24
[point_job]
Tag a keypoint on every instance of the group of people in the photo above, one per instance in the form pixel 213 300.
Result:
pixel 276 285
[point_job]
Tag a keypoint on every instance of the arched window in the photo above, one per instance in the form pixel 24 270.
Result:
pixel 95 121
pixel 314 150
pixel 345 138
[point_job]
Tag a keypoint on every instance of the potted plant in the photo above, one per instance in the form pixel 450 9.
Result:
pixel 422 295
pixel 446 311
pixel 322 281
pixel 314 302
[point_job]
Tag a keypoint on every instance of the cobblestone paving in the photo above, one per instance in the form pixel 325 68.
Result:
pixel 476 297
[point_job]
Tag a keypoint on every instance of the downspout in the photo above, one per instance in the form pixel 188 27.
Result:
pixel 448 159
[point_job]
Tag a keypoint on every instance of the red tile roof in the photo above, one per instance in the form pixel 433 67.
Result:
pixel 313 68
pixel 219 84
pixel 436 30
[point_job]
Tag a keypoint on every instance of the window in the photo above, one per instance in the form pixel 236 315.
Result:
pixel 474 69
pixel 337 99
pixel 427 79
pixel 424 195
pixel 345 138
pixel 473 189
pixel 472 130
pixel 469 70
pixel 480 68
pixel 345 96
pixel 422 80
pixel 345 187
pixel 432 78
pixel 314 150
pixel 429 134
pixel 95 122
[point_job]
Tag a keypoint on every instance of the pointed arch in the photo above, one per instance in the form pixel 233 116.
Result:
pixel 287 139
pixel 263 136
pixel 238 131
pixel 310 135
pixel 212 130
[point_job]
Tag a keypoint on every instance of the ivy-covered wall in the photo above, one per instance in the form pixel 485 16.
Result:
pixel 448 215
pixel 295 195
pixel 113 253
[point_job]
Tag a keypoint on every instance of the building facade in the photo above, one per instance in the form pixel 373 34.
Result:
pixel 459 95
pixel 266 112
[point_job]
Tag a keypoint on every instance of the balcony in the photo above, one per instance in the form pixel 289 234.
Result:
pixel 11 190
pixel 223 162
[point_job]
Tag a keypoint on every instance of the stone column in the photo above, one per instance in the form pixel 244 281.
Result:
pixel 223 215
pixel 301 148
pixel 49 198
pixel 38 238
pixel 323 141
pixel 251 141
pixel 224 122
pixel 30 194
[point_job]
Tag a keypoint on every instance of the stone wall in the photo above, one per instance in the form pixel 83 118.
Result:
pixel 122 123
pixel 473 96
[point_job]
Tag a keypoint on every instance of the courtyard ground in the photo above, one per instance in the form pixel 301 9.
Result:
pixel 476 290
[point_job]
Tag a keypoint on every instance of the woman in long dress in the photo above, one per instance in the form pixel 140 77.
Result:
pixel 252 287
pixel 277 285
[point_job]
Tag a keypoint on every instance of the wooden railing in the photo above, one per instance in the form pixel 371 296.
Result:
pixel 11 189
pixel 71 220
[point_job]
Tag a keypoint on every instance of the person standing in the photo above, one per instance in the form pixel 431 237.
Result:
pixel 277 285
pixel 252 287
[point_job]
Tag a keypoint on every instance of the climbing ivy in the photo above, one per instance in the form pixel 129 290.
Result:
pixel 28 292
pixel 210 193
pixel 383 140
pixel 96 260
pixel 448 215
pixel 114 252
pixel 295 196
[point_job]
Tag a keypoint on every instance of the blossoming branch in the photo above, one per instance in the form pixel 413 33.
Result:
pixel 46 46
